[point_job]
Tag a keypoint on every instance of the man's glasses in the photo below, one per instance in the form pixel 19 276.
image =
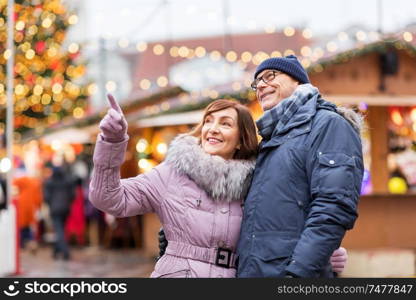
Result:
pixel 267 77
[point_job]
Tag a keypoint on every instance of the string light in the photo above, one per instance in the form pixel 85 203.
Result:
pixel 306 63
pixel 289 52
pixel 7 54
pixel 174 51
pixel 215 55
pixel 307 33
pixel 200 51
pixel 144 164
pixel 162 148
pixel 57 98
pixel 158 49
pixel 183 51
pixel 256 60
pixel 407 36
pixel 78 113
pixel 191 54
pixel 306 51
pixel 5 165
pixel 32 30
pixel 162 81
pixel 92 89
pixel 213 94
pixel 342 36
pixel 318 52
pixel 73 19
pixel 276 54
pixel 73 48
pixel 331 47
pixel 57 88
pixel 289 31
pixel 110 86
pixel 246 56
pixel 396 117
pixel 236 86
pixel 145 84
pixel 270 29
pixel 37 90
pixel 19 89
pixel 141 46
pixel 46 23
pixel 141 145
pixel 413 114
pixel 46 99
pixel 20 25
pixel 30 54
pixel 361 35
pixel 231 56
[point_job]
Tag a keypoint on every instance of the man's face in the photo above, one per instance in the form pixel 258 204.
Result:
pixel 274 91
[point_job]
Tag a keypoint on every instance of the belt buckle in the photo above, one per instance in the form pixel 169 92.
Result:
pixel 223 258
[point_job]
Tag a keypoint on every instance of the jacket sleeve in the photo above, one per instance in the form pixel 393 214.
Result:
pixel 335 169
pixel 123 197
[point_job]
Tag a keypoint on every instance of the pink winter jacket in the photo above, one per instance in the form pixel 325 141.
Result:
pixel 197 197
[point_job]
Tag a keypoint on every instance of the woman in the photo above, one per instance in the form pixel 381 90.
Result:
pixel 197 191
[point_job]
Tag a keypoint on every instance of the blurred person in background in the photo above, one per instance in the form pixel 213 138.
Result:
pixel 59 192
pixel 3 192
pixel 75 224
pixel 29 199
pixel 75 229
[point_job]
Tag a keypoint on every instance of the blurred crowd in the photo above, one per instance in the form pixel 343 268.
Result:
pixel 53 211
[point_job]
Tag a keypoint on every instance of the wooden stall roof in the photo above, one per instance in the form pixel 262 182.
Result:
pixel 381 73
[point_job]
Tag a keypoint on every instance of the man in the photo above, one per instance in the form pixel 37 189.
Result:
pixel 307 179
pixel 59 192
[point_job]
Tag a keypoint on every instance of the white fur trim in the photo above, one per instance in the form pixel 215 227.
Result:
pixel 223 180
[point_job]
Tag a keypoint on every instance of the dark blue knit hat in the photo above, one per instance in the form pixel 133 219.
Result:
pixel 288 64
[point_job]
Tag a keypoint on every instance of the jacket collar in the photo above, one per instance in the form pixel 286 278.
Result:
pixel 223 180
pixel 300 121
pixel 286 115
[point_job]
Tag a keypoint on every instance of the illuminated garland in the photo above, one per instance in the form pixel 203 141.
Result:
pixel 244 95
pixel 344 57
pixel 131 106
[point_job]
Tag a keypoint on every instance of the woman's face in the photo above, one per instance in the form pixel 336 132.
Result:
pixel 220 134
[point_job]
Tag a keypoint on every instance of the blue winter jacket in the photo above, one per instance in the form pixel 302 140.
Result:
pixel 303 196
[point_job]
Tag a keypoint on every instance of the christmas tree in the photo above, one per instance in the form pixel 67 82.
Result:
pixel 48 86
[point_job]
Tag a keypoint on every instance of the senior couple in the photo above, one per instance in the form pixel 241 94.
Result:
pixel 231 207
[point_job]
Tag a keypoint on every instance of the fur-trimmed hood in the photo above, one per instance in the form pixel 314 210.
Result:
pixel 355 119
pixel 223 180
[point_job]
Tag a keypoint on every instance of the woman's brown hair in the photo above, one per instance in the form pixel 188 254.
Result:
pixel 246 126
